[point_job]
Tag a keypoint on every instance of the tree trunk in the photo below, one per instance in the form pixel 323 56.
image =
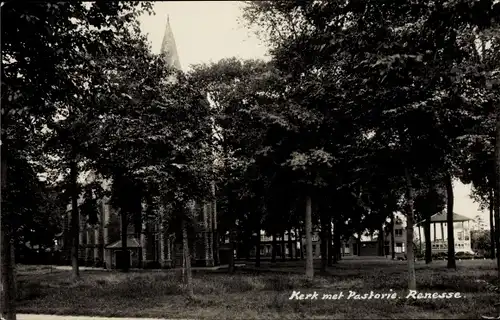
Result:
pixel 330 244
pixel 161 240
pixel 393 244
pixel 214 220
pixel 381 242
pixel 290 244
pixel 8 274
pixel 183 269
pixel 324 252
pixel 492 224
pixel 428 241
pixel 497 189
pixel 248 247
pixel 337 246
pixel 257 247
pixel 187 258
pixel 497 235
pixel 75 219
pixel 334 244
pixel 275 248
pixel 419 240
pixel 301 244
pixel 142 238
pixel 296 241
pixel 309 260
pixel 124 252
pixel 8 278
pixel 231 266
pixel 211 234
pixel 283 249
pixel 358 244
pixel 324 244
pixel 412 283
pixel 206 241
pixel 231 249
pixel 449 222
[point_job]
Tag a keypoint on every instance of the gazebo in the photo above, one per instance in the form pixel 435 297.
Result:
pixel 439 238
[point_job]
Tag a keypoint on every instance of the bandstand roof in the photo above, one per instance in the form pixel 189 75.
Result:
pixel 441 217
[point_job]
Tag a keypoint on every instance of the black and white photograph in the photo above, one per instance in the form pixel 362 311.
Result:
pixel 279 159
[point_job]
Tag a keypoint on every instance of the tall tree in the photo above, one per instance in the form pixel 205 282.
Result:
pixel 34 81
pixel 429 200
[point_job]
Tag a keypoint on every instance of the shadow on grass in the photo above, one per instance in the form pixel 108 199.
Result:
pixel 244 295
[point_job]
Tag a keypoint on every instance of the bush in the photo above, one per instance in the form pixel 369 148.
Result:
pixel 439 256
pixel 152 265
pixel 464 255
pixel 30 290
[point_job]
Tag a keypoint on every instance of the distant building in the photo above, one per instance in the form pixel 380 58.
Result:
pixel 283 245
pixel 439 238
pixel 377 246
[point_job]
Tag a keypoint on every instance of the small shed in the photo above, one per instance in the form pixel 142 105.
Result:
pixel 133 246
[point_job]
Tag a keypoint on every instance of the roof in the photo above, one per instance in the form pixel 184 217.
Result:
pixel 169 48
pixel 131 243
pixel 441 217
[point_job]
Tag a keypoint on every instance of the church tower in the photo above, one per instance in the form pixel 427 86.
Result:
pixel 169 48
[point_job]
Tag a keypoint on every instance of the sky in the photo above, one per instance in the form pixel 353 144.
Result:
pixel 204 31
pixel 207 31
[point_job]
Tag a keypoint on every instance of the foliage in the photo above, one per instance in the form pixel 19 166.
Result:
pixel 34 208
pixel 429 201
pixel 481 240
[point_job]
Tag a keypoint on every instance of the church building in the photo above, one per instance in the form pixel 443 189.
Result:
pixel 149 244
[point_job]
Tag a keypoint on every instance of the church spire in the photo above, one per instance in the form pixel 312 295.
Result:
pixel 169 48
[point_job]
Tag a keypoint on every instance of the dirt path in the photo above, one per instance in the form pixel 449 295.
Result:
pixel 53 317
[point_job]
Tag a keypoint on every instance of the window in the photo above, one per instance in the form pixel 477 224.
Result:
pixel 460 235
pixel 467 237
pixel 399 247
pixel 398 232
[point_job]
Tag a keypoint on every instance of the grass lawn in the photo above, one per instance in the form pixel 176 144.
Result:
pixel 263 294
